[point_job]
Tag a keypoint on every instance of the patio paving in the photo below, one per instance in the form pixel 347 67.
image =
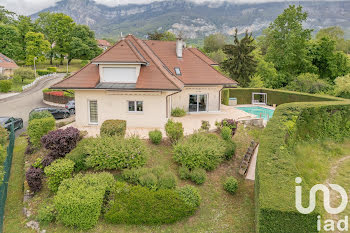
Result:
pixel 191 122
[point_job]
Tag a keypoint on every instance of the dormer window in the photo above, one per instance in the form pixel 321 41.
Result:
pixel 177 71
pixel 119 74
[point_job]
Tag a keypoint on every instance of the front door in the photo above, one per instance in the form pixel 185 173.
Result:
pixel 198 103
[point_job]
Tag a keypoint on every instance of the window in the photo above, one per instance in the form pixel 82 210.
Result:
pixel 135 106
pixel 177 71
pixel 93 114
pixel 119 75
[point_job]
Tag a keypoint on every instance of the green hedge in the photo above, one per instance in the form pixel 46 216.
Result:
pixel 244 96
pixel 44 72
pixel 275 171
pixel 225 96
pixel 79 200
pixel 57 171
pixel 38 128
pixel 113 128
pixel 140 205
pixel 5 85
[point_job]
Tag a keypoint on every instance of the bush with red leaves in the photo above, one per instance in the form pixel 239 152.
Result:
pixel 61 141
pixel 47 160
pixel 34 178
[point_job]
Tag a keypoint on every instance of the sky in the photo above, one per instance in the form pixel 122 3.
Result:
pixel 27 7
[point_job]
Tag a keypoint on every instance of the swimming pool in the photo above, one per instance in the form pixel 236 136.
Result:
pixel 259 112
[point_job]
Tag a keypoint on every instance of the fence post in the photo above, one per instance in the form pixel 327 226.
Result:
pixel 7 171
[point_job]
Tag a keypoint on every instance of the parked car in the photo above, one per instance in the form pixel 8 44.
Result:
pixel 57 113
pixel 70 106
pixel 7 121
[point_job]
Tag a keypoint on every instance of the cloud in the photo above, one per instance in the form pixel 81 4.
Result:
pixel 27 7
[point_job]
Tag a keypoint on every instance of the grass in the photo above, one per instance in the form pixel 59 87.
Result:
pixel 17 86
pixel 14 218
pixel 74 65
pixel 219 211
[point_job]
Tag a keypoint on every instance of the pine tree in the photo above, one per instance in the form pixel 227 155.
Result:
pixel 240 62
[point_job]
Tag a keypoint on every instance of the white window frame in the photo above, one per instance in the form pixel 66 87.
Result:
pixel 135 106
pixel 89 112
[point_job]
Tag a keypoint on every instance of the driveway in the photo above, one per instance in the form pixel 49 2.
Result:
pixel 20 105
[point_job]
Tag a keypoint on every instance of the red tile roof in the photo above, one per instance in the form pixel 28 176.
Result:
pixel 103 43
pixel 158 59
pixel 7 63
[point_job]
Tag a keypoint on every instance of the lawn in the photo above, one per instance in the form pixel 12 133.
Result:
pixel 17 86
pixel 74 65
pixel 218 212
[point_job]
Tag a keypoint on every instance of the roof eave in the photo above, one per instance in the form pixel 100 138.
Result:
pixel 119 63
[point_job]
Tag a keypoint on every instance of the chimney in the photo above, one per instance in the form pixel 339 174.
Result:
pixel 179 47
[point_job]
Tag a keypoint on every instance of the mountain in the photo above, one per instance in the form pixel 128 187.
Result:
pixel 195 20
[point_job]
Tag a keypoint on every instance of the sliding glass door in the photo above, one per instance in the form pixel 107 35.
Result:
pixel 198 103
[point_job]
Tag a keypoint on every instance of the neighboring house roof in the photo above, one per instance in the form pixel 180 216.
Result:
pixel 103 43
pixel 158 60
pixel 7 63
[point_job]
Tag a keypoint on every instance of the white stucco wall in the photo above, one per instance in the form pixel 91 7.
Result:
pixel 182 99
pixel 114 105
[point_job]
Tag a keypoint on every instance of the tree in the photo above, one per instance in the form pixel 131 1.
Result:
pixel 83 44
pixel 256 82
pixel 240 62
pixel 165 36
pixel 36 46
pixel 335 33
pixel 309 83
pixel 23 73
pixel 287 42
pixel 218 56
pixel 57 28
pixel 9 41
pixel 329 63
pixel 24 25
pixel 342 86
pixel 267 72
pixel 214 42
pixel 6 16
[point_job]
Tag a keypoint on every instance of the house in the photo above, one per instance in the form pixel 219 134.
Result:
pixel 141 81
pixel 7 65
pixel 103 44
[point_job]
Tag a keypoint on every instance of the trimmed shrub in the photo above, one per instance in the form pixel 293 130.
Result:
pixel 230 149
pixel 140 205
pixel 116 153
pixel 3 136
pixel 47 160
pixel 155 136
pixel 5 85
pixel 167 181
pixel 61 141
pixel 200 150
pixel 43 72
pixel 79 154
pixel 226 133
pixel 225 96
pixel 152 178
pixel 79 200
pixel 231 185
pixel 39 115
pixel 38 128
pixel 198 175
pixel 178 112
pixel 184 173
pixel 174 131
pixel 230 123
pixel 52 69
pixel 113 128
pixel 57 171
pixel 46 214
pixel 190 196
pixel 38 163
pixel 34 178
pixel 205 125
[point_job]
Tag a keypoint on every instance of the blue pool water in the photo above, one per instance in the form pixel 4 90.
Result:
pixel 259 112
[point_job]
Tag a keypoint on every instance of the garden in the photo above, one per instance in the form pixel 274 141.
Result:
pixel 111 183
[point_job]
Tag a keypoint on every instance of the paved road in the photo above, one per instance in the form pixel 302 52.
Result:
pixel 20 105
